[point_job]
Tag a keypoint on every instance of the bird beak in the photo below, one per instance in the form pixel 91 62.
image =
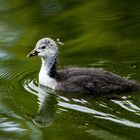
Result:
pixel 32 53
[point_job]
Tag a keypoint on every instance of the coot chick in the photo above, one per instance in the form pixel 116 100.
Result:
pixel 77 80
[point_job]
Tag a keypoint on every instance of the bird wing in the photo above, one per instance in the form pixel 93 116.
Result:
pixel 90 81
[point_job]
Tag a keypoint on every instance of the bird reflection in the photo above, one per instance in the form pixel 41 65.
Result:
pixel 47 108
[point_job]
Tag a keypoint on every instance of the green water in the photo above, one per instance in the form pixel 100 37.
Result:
pixel 96 33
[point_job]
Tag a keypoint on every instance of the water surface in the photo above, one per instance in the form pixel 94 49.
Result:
pixel 96 33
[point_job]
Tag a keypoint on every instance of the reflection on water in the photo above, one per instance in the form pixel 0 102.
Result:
pixel 46 112
pixel 96 34
pixel 8 35
pixel 36 107
pixel 46 109
pixel 47 103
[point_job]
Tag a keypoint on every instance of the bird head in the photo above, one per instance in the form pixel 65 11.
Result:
pixel 45 47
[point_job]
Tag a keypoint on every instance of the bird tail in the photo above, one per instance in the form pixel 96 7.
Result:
pixel 134 85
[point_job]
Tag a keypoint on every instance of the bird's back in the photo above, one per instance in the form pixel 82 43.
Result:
pixel 93 81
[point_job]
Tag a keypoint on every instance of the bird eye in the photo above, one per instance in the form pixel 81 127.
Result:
pixel 43 47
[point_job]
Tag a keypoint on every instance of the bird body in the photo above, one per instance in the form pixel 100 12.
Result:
pixel 77 80
pixel 92 80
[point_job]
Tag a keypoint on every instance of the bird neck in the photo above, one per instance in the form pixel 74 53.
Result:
pixel 49 66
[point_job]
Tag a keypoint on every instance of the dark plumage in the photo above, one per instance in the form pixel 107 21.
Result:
pixel 93 81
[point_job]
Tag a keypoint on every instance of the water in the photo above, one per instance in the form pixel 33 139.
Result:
pixel 99 33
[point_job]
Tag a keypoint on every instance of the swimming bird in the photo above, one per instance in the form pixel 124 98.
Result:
pixel 94 81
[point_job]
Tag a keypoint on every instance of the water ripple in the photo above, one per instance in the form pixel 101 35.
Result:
pixel 127 105
pixel 108 111
pixel 13 80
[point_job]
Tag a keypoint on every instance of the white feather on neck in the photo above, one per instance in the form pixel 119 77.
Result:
pixel 44 74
